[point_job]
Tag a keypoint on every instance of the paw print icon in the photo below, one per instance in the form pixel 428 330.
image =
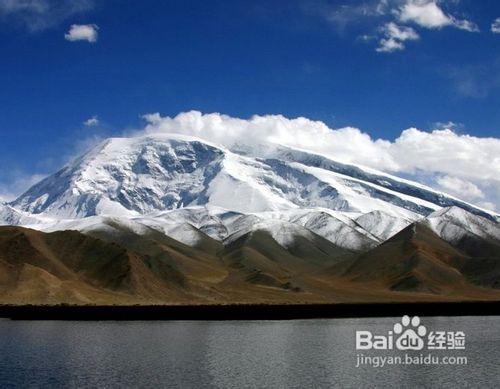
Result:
pixel 411 333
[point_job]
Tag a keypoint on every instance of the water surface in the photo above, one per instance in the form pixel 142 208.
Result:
pixel 239 354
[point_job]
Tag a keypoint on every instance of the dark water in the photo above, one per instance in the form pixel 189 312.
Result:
pixel 253 354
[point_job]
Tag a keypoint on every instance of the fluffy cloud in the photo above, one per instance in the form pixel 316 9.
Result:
pixel 394 37
pixel 495 26
pixel 82 32
pixel 425 14
pixel 464 189
pixel 447 152
pixel 91 122
pixel 428 14
pixel 301 132
pixel 392 14
pixel 36 15
pixel 415 153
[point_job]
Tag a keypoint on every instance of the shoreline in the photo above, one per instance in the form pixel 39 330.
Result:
pixel 246 311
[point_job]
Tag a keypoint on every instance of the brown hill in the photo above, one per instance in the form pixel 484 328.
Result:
pixel 70 267
pixel 115 265
pixel 418 260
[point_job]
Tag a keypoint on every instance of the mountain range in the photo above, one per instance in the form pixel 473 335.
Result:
pixel 171 219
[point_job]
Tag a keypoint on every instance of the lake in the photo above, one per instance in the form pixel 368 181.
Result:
pixel 233 354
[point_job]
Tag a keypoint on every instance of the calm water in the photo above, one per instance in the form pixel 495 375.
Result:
pixel 253 354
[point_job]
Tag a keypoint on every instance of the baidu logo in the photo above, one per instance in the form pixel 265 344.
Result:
pixel 410 334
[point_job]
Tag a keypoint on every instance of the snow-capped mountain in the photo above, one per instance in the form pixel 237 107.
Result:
pixel 142 175
pixel 173 183
pixel 453 224
pixel 174 219
pixel 14 217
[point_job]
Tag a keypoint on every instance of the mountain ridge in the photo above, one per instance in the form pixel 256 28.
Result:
pixel 146 174
pixel 201 223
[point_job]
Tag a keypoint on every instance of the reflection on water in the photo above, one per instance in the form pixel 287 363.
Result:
pixel 277 354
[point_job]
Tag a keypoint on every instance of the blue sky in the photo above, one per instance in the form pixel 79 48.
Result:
pixel 378 65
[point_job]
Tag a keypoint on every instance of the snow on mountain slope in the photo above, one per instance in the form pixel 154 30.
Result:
pixel 13 217
pixel 452 224
pixel 219 223
pixel 369 175
pixel 186 225
pixel 364 197
pixel 285 233
pixel 382 225
pixel 206 219
pixel 337 227
pixel 142 175
pixel 93 223
pixel 182 232
pixel 127 176
pixel 184 186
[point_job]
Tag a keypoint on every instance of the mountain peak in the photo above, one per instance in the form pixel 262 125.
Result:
pixel 157 172
pixel 453 211
pixel 454 223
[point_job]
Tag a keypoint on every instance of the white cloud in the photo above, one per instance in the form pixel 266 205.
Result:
pixel 424 13
pixel 428 14
pixel 463 165
pixel 495 26
pixel 389 45
pixel 415 152
pixel 487 205
pixel 91 122
pixel 394 37
pixel 444 151
pixel 37 15
pixel 466 25
pixel 82 32
pixel 449 125
pixel 300 132
pixel 464 189
pixel 343 15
